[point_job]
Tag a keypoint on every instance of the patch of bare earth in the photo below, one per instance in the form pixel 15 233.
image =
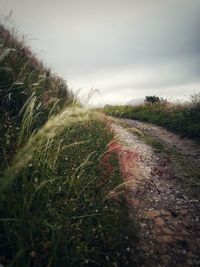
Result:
pixel 168 214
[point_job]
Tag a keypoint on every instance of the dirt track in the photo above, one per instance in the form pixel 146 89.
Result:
pixel 164 193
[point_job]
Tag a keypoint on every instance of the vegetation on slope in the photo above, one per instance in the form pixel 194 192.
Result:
pixel 28 93
pixel 55 201
pixel 181 118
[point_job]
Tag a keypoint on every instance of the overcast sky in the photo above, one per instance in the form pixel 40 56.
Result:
pixel 125 48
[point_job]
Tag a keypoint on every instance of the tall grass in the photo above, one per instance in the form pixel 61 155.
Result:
pixel 55 202
pixel 54 198
pixel 24 79
pixel 181 118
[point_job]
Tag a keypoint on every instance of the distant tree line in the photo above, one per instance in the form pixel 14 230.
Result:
pixel 154 100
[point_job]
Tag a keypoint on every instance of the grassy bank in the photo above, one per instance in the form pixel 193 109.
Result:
pixel 29 93
pixel 54 198
pixel 180 118
pixel 55 201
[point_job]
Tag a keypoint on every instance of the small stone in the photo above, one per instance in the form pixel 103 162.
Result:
pixel 183 212
pixel 165 212
pixel 174 222
pixel 183 252
pixel 185 233
pixel 194 201
pixel 165 239
pixel 159 221
pixel 167 231
pixel 152 213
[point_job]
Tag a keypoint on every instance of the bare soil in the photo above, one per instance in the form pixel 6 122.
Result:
pixel 164 192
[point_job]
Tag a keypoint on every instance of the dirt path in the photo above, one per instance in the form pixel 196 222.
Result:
pixel 164 193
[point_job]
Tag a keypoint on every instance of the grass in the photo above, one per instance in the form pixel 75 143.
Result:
pixel 179 118
pixel 55 202
pixel 25 82
pixel 149 140
pixel 54 198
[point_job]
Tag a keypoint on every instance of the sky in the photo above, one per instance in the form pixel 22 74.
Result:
pixel 126 49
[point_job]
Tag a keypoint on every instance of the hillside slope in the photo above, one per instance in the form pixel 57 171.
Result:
pixel 58 205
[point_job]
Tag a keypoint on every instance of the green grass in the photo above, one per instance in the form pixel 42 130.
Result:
pixel 153 142
pixel 25 82
pixel 54 198
pixel 149 140
pixel 55 202
pixel 182 119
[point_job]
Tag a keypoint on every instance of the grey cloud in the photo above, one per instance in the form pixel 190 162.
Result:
pixel 88 41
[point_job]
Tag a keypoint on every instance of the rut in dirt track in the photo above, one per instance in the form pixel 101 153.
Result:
pixel 164 193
